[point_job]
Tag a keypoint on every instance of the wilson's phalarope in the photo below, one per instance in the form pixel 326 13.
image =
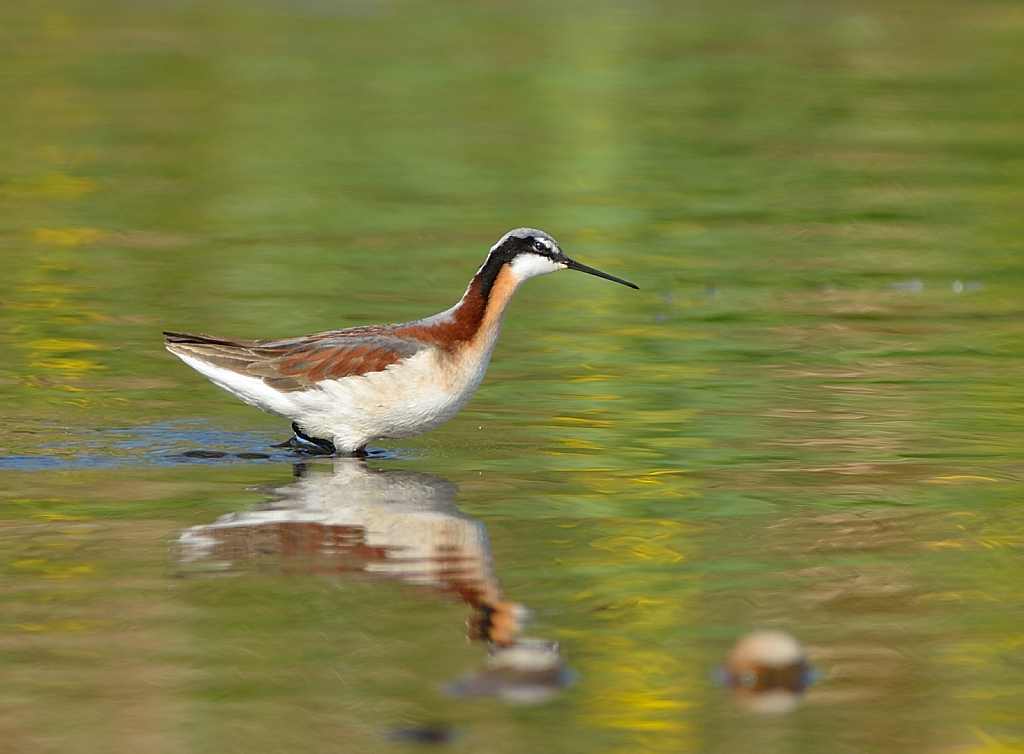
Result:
pixel 345 388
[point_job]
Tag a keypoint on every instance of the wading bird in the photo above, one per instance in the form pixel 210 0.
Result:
pixel 345 388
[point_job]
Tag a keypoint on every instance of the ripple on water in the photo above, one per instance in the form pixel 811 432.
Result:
pixel 167 443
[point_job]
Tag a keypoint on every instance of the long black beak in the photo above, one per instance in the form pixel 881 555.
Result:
pixel 574 265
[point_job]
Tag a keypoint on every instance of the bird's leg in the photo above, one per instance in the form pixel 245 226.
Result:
pixel 304 443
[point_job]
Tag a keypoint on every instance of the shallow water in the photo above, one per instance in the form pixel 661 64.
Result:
pixel 808 418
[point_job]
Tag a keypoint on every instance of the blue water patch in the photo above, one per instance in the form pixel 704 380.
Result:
pixel 164 444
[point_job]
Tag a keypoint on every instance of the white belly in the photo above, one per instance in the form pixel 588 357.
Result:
pixel 421 393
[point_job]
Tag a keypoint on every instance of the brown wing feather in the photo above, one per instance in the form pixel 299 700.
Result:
pixel 297 363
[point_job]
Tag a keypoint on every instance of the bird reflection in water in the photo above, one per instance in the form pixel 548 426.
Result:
pixel 391 524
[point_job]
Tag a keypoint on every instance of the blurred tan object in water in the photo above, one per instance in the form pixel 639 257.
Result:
pixel 388 523
pixel 531 671
pixel 768 672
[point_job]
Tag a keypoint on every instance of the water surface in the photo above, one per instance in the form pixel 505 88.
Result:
pixel 809 418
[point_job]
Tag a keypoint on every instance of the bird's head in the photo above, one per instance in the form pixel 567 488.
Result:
pixel 530 252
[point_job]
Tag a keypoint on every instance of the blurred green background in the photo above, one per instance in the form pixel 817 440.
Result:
pixel 811 417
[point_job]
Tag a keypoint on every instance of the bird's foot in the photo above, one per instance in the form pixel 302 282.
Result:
pixel 307 445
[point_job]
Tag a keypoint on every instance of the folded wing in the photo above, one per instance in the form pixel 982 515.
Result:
pixel 299 363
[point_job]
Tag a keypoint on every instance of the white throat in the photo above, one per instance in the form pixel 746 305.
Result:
pixel 526 266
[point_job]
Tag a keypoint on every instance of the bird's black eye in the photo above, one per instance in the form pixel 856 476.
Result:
pixel 539 244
